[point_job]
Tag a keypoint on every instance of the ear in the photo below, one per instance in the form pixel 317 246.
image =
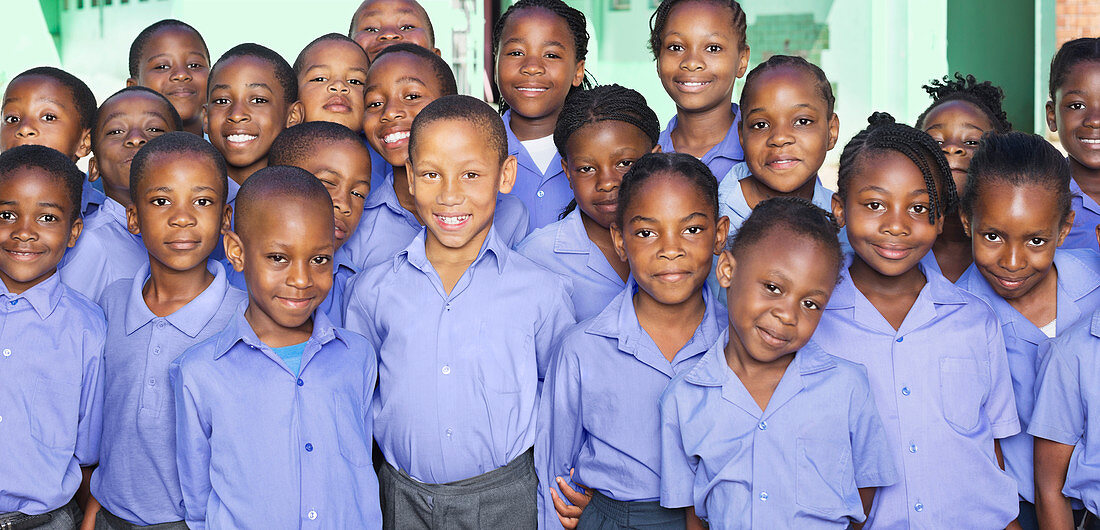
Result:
pixel 93 169
pixel 85 145
pixel 1052 117
pixel 437 52
pixel 724 270
pixel 743 62
pixel 721 235
pixel 132 222
pixel 939 224
pixel 966 224
pixel 508 174
pixel 227 219
pixel 234 250
pixel 578 75
pixel 74 232
pixel 131 82
pixel 296 114
pixel 834 131
pixel 838 209
pixel 205 120
pixel 617 241
pixel 656 149
pixel 1067 226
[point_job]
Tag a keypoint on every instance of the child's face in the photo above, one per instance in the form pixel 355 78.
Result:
pixel 537 63
pixel 38 110
pixel 1015 231
pixel 778 290
pixel 126 123
pixel 454 177
pixel 344 169
pixel 36 226
pixel 957 126
pixel 180 211
pixel 286 256
pixel 886 213
pixel 786 129
pixel 700 57
pixel 245 111
pixel 381 23
pixel 332 83
pixel 399 86
pixel 1075 114
pixel 669 238
pixel 174 63
pixel 597 157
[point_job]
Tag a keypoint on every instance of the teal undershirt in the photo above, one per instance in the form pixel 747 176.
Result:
pixel 292 356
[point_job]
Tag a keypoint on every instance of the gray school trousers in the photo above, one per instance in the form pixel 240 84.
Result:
pixel 502 498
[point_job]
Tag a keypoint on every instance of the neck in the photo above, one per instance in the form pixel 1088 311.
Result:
pixel 705 128
pixel 867 279
pixel 757 192
pixel 168 289
pixel 241 173
pixel 271 333
pixel 953 231
pixel 745 366
pixel 442 256
pixel 597 233
pixel 193 126
pixel 1087 178
pixel 686 314
pixel 532 128
pixel 401 188
pixel 120 196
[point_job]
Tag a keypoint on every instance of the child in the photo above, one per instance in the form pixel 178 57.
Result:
pixel 1017 208
pixel 658 326
pixel 273 413
pixel 51 392
pixel 961 111
pixel 934 353
pixel 462 333
pixel 402 80
pixel 600 134
pixel 109 250
pixel 251 90
pixel 767 430
pixel 1074 76
pixel 177 299
pixel 539 48
pixel 332 74
pixel 378 24
pixel 700 49
pixel 171 57
pixel 51 107
pixel 785 134
pixel 336 156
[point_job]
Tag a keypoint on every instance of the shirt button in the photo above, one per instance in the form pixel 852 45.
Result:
pixel 312 515
pixel 918 507
pixel 7 352
pixel 13 302
pixel 160 324
pixel 300 382
pixel 152 382
pixel 1 419
pixel 446 370
pixel 912 447
pixel 901 339
pixel 763 495
pixel 905 391
pixel 447 307
pixel 449 431
pixel 541 193
pixel 763 425
pixel 156 351
pixel 309 448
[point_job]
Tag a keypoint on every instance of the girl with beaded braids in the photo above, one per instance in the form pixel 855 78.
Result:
pixel 700 49
pixel 934 353
pixel 962 110
pixel 539 47
pixel 600 133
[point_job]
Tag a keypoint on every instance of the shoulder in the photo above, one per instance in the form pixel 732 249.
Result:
pixel 353 341
pixel 199 356
pixel 116 296
pixel 1085 259
pixel 551 284
pixel 76 308
pixel 371 278
pixel 540 242
pixel 509 205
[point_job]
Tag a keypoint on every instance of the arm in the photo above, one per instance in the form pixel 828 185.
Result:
pixel 90 511
pixel 867 498
pixel 569 515
pixel 1058 424
pixel 1051 464
pixel 192 451
pixel 693 521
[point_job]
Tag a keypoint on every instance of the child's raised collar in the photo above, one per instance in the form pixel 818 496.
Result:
pixel 192 317
pixel 414 254
pixel 239 330
pixel 43 297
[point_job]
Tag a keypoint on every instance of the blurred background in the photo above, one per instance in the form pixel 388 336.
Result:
pixel 877 53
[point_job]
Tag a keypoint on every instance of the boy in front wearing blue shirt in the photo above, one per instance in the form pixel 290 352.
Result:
pixel 52 340
pixel 464 327
pixel 273 422
pixel 179 298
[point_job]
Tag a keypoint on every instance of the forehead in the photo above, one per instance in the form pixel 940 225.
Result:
pixel 244 70
pixel 784 85
pixel 298 220
pixel 390 8
pixel 888 169
pixel 347 157
pixel 670 192
pixel 165 166
pixel 957 113
pixel 1085 75
pixel 607 137
pixel 453 139
pixel 703 16
pixel 136 103
pixel 38 88
pixel 173 39
pixel 536 24
pixel 335 52
pixel 393 66
pixel 35 183
pixel 784 249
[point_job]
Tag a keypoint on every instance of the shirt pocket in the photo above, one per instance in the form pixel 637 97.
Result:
pixel 351 434
pixel 823 474
pixel 504 359
pixel 962 389
pixel 55 413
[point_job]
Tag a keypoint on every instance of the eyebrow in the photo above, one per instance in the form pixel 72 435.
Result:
pixel 965 124
pixel 189 52
pixel 798 106
pixel 544 43
pixel 355 68
pixel 114 115
pixel 402 11
pixel 40 204
pixel 47 100
pixel 225 86
pixel 166 189
pixel 406 79
pixel 880 189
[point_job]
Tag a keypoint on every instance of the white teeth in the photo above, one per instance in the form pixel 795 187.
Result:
pixel 1093 141
pixel 395 137
pixel 453 220
pixel 529 89
pixel 241 138
pixel 693 84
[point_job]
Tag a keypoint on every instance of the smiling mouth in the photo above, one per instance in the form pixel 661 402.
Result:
pixel 182 93
pixel 531 91
pixel 771 339
pixel 338 105
pixel 1091 142
pixel 296 303
pixel 394 138
pixel 452 222
pixel 672 277
pixel 892 253
pixel 23 255
pixel 1009 283
pixel 692 86
pixel 183 244
pixel 785 163
pixel 240 138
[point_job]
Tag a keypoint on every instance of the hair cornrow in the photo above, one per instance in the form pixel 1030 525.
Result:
pixel 824 88
pixel 985 95
pixel 884 134
pixel 660 17
pixel 681 165
pixel 1076 51
pixel 796 214
pixel 1017 159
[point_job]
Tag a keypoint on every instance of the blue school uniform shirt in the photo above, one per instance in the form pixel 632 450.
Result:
pixel 1086 216
pixel 1065 392
pixel 459 373
pixel 386 227
pixel 944 393
pixel 104 253
pixel 732 203
pixel 1078 295
pixel 91 198
pixel 136 479
pixel 797 464
pixel 544 194
pixel 564 247
pixel 260 447
pixel 598 412
pixel 720 158
pixel 51 394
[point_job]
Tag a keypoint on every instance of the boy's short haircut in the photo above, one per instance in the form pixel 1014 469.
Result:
pixel 427 20
pixel 53 163
pixel 468 109
pixel 82 96
pixel 298 66
pixel 275 185
pixel 306 140
pixel 138 46
pixel 173 115
pixel 447 84
pixel 284 73
pixel 176 142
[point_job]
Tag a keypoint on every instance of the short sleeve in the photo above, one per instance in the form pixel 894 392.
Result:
pixel 559 317
pixel 1000 405
pixel 90 423
pixel 358 309
pixel 192 446
pixel 872 459
pixel 560 433
pixel 1059 413
pixel 677 467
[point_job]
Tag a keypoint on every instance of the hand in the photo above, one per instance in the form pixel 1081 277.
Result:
pixel 570 514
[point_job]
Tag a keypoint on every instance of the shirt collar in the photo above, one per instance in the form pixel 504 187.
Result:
pixel 729 190
pixel 341 259
pixel 116 210
pixel 713 370
pixel 572 237
pixel 1082 197
pixel 523 158
pixel 729 147
pixel 383 193
pixel 1095 327
pixel 939 290
pixel 1076 277
pixel 231 190
pixel 415 255
pixel 239 330
pixel 42 297
pixel 192 317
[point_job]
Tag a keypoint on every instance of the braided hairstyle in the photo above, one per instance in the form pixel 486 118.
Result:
pixel 603 103
pixel 573 18
pixel 657 22
pixel 682 165
pixel 824 89
pixel 795 214
pixel 884 134
pixel 1017 159
pixel 1072 53
pixel 985 95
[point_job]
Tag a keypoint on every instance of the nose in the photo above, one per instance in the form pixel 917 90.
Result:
pixel 340 204
pixel 299 275
pixel 1013 259
pixel 393 110
pixel 671 247
pixel 26 129
pixel 895 222
pixel 181 216
pixel 608 180
pixel 389 33
pixel 1092 120
pixel 532 65
pixel 24 230
pixel 952 149
pixel 449 192
pixel 780 136
pixel 180 73
pixel 136 137
pixel 238 112
pixel 338 86
pixel 691 61
pixel 786 312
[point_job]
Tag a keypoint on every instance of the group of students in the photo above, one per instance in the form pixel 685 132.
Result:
pixel 555 315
